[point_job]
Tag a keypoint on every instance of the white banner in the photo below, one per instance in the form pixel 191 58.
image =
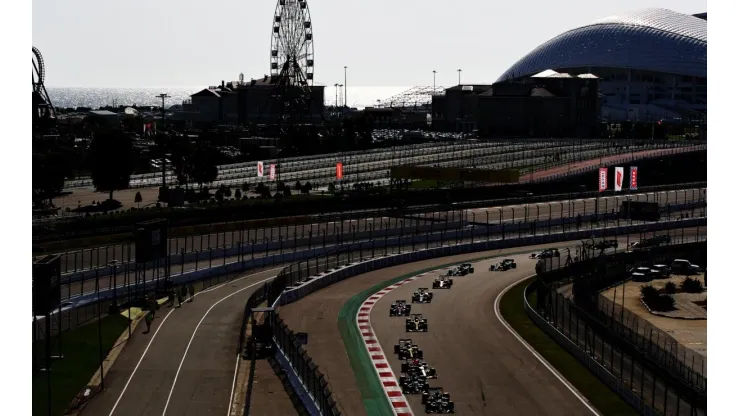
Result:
pixel 618 178
pixel 260 170
pixel 602 179
pixel 272 172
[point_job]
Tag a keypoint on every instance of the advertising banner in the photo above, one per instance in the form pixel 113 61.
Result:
pixel 272 172
pixel 260 170
pixel 602 179
pixel 633 178
pixel 340 173
pixel 618 178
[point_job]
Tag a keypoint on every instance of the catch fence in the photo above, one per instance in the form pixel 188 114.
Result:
pixel 642 363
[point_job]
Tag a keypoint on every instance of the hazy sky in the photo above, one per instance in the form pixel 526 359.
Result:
pixel 171 43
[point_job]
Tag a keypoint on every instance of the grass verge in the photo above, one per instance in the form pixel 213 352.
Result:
pixel 81 360
pixel 597 393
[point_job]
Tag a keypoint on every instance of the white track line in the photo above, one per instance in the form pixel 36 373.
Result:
pixel 535 353
pixel 140 360
pixel 233 384
pixel 162 324
pixel 187 348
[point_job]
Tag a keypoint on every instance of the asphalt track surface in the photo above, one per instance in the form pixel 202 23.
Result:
pixel 483 366
pixel 186 364
pixel 85 259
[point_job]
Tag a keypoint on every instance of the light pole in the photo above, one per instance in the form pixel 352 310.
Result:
pixel 340 87
pixel 164 165
pixel 345 85
pixel 434 85
pixel 458 76
pixel 336 96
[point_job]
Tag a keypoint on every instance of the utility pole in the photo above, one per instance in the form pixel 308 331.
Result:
pixel 345 85
pixel 164 164
pixel 336 97
pixel 434 84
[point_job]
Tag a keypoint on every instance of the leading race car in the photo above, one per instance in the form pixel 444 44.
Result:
pixel 461 270
pixel 413 384
pixel 505 264
pixel 545 254
pixel 417 366
pixel 400 308
pixel 436 400
pixel 416 323
pixel 442 282
pixel 406 350
pixel 422 295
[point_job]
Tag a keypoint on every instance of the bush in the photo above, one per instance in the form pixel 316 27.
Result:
pixel 691 285
pixel 655 301
pixel 669 288
pixel 649 293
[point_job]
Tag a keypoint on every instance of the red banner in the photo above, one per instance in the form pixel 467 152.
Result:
pixel 272 172
pixel 340 172
pixel 633 178
pixel 602 179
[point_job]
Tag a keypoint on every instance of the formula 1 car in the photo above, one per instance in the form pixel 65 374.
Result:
pixel 436 400
pixel 442 282
pixel 505 264
pixel 400 308
pixel 422 295
pixel 416 323
pixel 413 384
pixel 406 350
pixel 417 366
pixel 545 254
pixel 461 270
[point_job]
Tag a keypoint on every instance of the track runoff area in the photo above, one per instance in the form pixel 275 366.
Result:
pixel 480 362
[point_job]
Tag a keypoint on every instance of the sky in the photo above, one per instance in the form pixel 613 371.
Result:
pixel 184 43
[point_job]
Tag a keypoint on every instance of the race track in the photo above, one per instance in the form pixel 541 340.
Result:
pixel 483 365
pixel 186 364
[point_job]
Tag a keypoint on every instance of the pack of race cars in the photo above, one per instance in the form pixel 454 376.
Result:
pixel 415 372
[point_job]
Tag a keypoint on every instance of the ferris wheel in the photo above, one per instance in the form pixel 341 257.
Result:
pixel 291 48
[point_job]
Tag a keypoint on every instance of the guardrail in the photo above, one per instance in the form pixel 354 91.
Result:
pixel 238 246
pixel 588 361
pixel 298 280
pixel 617 353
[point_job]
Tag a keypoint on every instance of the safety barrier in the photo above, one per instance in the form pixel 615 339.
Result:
pixel 594 366
pixel 291 288
pixel 507 226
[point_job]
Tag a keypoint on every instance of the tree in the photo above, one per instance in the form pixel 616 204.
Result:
pixel 137 199
pixel 332 188
pixel 111 156
pixel 204 169
pixel 297 187
pixel 245 187
pixel 183 156
pixel 49 171
pixel 238 194
pixel 263 190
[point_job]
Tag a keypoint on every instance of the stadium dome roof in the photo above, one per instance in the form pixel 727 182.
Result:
pixel 657 40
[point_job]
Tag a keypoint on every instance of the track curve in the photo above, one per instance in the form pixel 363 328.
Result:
pixel 505 378
pixel 483 366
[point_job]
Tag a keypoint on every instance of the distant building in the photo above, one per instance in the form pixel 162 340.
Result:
pixel 652 64
pixel 104 117
pixel 540 106
pixel 255 101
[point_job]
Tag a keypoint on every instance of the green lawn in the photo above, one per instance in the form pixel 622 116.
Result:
pixel 81 359
pixel 597 393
